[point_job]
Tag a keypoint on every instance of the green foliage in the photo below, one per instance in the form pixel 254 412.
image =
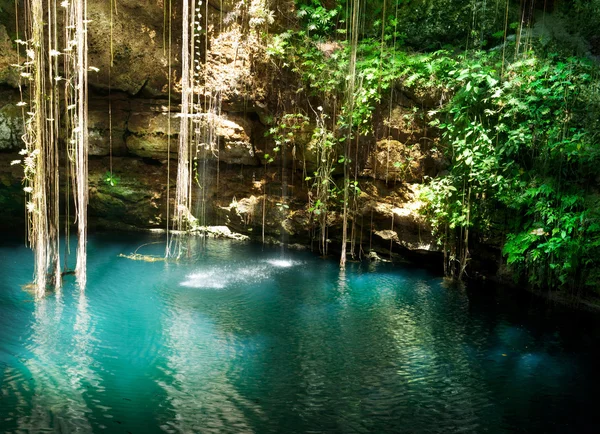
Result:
pixel 111 179
pixel 259 14
pixel 323 190
pixel 284 133
pixel 323 186
pixel 560 241
pixel 419 23
pixel 277 45
pixel 582 16
pixel 522 144
pixel 519 123
pixel 318 20
pixel 323 69
pixel 282 206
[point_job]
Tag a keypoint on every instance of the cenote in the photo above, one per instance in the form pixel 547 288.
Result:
pixel 244 339
pixel 463 135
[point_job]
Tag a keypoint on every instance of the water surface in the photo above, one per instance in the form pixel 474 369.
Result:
pixel 239 339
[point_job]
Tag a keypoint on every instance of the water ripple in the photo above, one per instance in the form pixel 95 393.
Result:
pixel 235 339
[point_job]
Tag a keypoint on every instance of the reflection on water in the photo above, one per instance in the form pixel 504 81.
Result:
pixel 222 277
pixel 234 339
pixel 198 360
pixel 283 263
pixel 57 370
pixel 225 275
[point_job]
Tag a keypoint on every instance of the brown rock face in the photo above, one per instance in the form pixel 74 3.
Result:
pixel 226 137
pixel 406 228
pixel 107 126
pixel 232 135
pixel 393 161
pixel 130 47
pixel 8 74
pixel 239 94
pixel 151 146
pixel 151 130
pixel 132 39
pixel 11 122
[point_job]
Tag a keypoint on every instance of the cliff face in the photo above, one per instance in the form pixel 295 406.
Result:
pixel 134 131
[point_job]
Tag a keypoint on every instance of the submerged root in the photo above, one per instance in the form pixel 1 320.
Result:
pixel 135 256
pixel 198 231
pixel 31 287
pixel 140 257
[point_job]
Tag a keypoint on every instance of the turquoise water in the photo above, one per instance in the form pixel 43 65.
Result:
pixel 238 339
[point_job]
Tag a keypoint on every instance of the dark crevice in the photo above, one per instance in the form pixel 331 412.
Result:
pixel 140 92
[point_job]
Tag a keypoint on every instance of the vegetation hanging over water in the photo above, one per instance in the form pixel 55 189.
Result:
pixel 507 92
pixel 516 108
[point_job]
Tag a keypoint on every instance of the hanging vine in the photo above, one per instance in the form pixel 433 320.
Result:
pixel 78 99
pixel 189 136
pixel 41 74
pixel 40 163
pixel 182 195
pixel 354 32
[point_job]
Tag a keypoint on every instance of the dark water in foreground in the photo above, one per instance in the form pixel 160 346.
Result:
pixel 239 341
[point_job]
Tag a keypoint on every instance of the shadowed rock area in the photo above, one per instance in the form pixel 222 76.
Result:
pixel 134 132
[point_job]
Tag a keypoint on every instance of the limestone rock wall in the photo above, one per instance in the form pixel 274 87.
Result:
pixel 133 130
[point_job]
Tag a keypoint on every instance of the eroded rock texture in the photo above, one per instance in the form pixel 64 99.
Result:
pixel 134 132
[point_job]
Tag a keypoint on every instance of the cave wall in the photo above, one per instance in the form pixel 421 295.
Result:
pixel 129 131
